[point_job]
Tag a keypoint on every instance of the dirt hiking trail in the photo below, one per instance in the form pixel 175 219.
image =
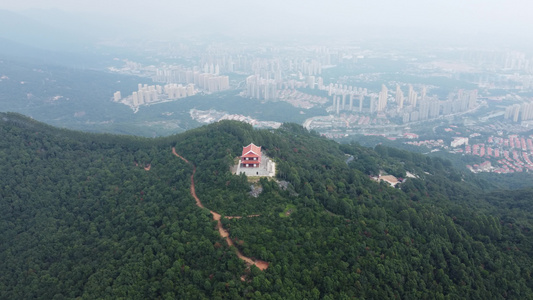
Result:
pixel 262 265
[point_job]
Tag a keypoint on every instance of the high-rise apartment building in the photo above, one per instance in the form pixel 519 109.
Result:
pixel 260 88
pixel 372 103
pixel 311 82
pixel 399 97
pixel 382 100
pixel 412 96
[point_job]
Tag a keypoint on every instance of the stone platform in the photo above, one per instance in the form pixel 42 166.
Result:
pixel 267 168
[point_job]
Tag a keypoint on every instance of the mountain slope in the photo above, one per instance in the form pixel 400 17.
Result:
pixel 84 216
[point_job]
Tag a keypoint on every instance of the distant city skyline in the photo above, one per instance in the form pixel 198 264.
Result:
pixel 414 19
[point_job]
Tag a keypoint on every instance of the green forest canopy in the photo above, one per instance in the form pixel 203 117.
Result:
pixel 82 218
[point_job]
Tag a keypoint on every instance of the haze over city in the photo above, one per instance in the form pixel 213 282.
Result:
pixel 457 21
pixel 266 149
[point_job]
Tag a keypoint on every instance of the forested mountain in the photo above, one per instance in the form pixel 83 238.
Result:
pixel 111 217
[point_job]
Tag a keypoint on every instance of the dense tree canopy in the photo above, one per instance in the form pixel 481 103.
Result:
pixel 83 216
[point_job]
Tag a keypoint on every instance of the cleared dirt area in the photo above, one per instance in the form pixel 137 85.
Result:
pixel 262 265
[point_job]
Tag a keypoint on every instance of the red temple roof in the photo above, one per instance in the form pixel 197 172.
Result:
pixel 251 150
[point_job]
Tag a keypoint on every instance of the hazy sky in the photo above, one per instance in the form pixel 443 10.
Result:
pixel 388 17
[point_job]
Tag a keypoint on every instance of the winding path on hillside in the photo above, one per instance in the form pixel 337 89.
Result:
pixel 262 265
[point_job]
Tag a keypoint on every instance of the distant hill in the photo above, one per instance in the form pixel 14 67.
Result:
pixel 18 51
pixel 28 31
pixel 83 216
pixel 55 37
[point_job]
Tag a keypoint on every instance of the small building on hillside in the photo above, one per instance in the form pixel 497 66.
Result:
pixel 251 156
pixel 253 162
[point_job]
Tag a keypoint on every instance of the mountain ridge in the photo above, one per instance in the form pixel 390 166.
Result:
pixel 84 218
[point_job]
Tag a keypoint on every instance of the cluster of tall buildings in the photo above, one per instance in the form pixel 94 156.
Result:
pixel 242 63
pixel 256 64
pixel 306 67
pixel 412 96
pixel 516 60
pixel 276 63
pixel 426 108
pixel 345 102
pixel 417 106
pixel 211 83
pixel 311 82
pixel 344 96
pixel 519 112
pixel 208 81
pixel 229 63
pixel 261 88
pixel 177 91
pixel 278 68
pixel 349 98
pixel 294 84
pixel 353 99
pixel 211 69
pixel 147 94
pixel 340 89
pixel 461 101
pixel 496 59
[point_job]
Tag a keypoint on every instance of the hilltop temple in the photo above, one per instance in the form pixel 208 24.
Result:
pixel 253 162
pixel 251 156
